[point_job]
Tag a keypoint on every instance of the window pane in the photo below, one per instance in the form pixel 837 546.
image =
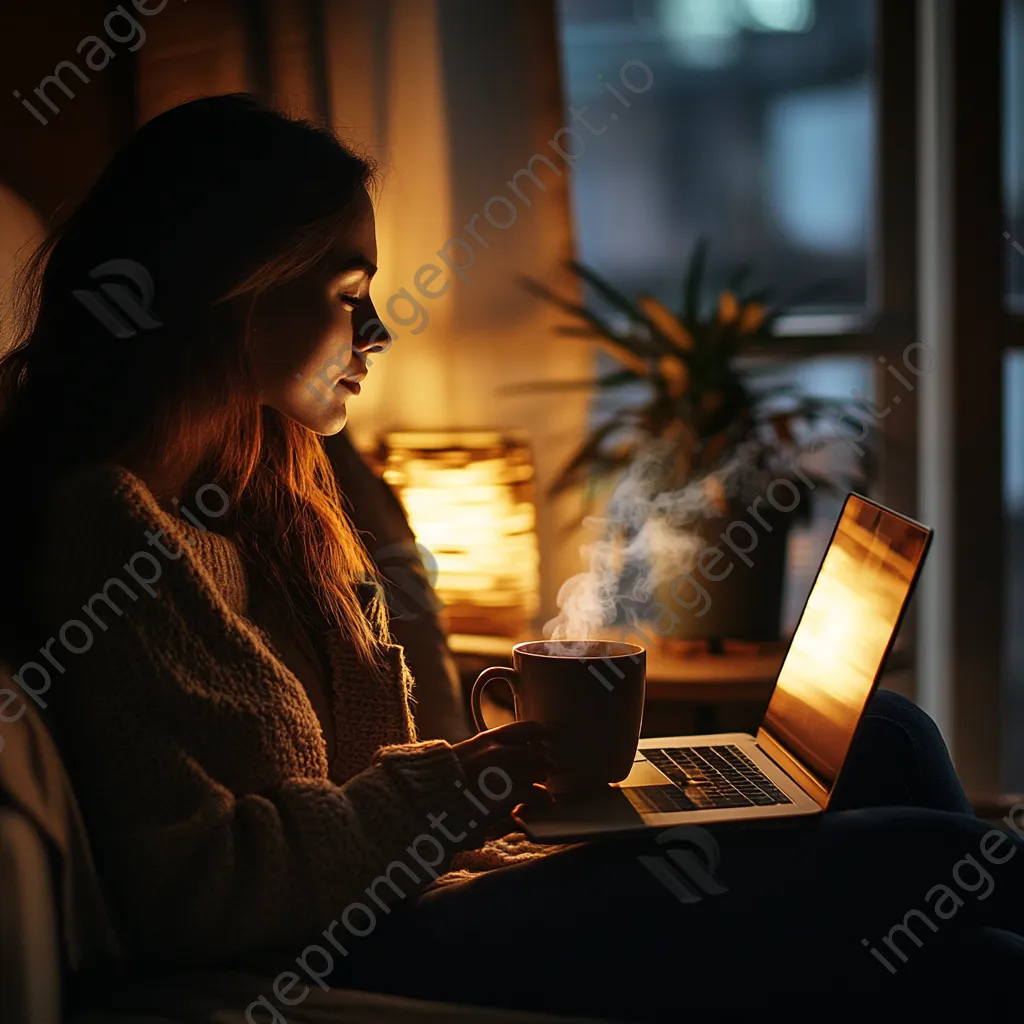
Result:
pixel 1013 504
pixel 852 380
pixel 757 131
pixel 1013 152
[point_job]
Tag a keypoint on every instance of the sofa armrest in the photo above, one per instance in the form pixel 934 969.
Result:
pixel 30 964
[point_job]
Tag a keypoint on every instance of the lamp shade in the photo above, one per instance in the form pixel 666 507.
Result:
pixel 469 498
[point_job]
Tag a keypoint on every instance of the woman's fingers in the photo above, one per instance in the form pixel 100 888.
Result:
pixel 534 794
pixel 519 732
pixel 524 764
pixel 519 766
pixel 526 795
pixel 519 751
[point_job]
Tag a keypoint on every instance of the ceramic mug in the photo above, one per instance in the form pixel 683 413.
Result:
pixel 590 696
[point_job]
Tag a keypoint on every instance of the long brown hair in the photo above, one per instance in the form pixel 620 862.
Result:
pixel 219 201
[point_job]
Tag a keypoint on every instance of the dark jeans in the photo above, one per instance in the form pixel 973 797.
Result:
pixel 809 908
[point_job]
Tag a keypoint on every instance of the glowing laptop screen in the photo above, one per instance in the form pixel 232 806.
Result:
pixel 851 614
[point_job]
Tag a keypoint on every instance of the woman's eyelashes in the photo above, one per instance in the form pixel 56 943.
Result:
pixel 351 300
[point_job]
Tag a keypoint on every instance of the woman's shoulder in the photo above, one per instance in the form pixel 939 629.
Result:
pixel 104 486
pixel 103 522
pixel 97 512
pixel 100 522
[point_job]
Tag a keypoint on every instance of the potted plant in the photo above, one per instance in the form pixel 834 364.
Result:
pixel 718 440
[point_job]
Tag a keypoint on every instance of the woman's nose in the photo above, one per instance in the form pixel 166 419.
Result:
pixel 370 333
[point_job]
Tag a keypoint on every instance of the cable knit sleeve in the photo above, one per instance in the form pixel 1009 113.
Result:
pixel 196 756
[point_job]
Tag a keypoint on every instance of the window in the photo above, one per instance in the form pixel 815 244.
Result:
pixel 757 131
pixel 841 378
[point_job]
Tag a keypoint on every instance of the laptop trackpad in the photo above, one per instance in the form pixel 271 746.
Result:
pixel 573 816
pixel 615 809
pixel 644 773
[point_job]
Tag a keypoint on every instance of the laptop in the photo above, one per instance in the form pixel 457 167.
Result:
pixel 791 767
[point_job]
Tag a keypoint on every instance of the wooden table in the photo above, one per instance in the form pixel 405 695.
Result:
pixel 669 677
pixel 686 693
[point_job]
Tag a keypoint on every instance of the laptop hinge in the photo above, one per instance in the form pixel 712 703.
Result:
pixel 793 768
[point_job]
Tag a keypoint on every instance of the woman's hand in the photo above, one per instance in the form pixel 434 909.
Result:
pixel 506 766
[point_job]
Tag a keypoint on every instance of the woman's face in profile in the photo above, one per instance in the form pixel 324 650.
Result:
pixel 312 334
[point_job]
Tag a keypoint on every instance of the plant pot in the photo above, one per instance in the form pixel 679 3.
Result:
pixel 734 590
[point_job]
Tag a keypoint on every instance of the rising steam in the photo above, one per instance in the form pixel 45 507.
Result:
pixel 647 538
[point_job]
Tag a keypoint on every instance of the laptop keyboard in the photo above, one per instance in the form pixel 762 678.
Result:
pixel 712 777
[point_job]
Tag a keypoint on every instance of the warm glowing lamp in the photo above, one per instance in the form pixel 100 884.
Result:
pixel 469 498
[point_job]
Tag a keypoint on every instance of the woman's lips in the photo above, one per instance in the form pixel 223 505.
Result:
pixel 350 385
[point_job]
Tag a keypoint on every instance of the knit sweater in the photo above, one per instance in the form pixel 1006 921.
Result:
pixel 218 827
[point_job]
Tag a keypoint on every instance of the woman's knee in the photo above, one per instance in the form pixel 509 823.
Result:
pixel 894 707
pixel 885 762
pixel 900 734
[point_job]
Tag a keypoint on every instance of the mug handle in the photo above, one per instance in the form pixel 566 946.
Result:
pixel 495 672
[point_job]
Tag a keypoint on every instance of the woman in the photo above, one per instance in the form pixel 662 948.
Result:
pixel 235 718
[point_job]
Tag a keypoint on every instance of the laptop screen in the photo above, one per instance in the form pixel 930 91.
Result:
pixel 836 654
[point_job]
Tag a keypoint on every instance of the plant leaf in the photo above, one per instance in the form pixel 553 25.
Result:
pixel 714 447
pixel 728 308
pixel 738 278
pixel 585 455
pixel 637 365
pixel 694 281
pixel 675 374
pixel 542 291
pixel 752 317
pixel 608 292
pixel 572 331
pixel 599 327
pixel 607 381
pixel 666 323
pixel 615 298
